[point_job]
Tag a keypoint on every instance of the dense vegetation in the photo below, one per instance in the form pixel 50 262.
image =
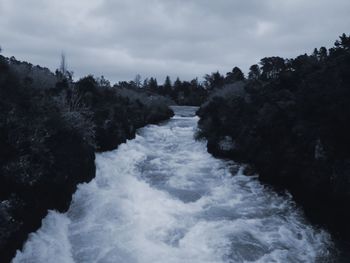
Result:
pixel 180 92
pixel 289 120
pixel 189 93
pixel 50 128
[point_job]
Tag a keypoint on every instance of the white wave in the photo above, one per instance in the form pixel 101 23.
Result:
pixel 162 198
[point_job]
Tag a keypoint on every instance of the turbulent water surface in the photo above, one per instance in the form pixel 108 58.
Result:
pixel 162 198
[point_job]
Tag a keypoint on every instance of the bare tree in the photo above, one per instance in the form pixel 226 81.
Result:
pixel 63 65
pixel 63 72
pixel 137 81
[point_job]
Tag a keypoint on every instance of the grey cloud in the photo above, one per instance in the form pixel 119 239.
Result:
pixel 166 37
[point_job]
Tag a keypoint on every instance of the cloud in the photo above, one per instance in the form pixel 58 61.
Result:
pixel 119 39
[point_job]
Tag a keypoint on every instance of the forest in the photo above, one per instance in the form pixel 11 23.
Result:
pixel 288 121
pixel 50 129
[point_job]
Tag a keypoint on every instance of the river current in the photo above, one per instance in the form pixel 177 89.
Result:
pixel 162 198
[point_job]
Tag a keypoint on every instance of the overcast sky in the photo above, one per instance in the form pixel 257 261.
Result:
pixel 185 38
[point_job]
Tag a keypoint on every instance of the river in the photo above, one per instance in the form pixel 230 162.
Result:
pixel 162 198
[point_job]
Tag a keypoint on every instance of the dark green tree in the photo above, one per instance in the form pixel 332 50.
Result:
pixel 322 54
pixel 271 67
pixel 254 72
pixel 167 87
pixel 167 84
pixel 214 80
pixel 235 75
pixel 195 84
pixel 344 42
pixel 153 84
pixel 177 83
pixel 87 84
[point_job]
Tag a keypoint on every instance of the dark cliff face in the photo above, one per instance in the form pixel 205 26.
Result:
pixel 48 139
pixel 293 130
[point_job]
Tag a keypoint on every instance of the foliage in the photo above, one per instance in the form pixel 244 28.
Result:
pixel 291 125
pixel 50 128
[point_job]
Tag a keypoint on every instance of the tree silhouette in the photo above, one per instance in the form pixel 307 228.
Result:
pixel 167 83
pixel 271 67
pixel 344 42
pixel 235 75
pixel 63 65
pixel 177 83
pixel 213 81
pixel 322 54
pixel 167 87
pixel 153 84
pixel 254 72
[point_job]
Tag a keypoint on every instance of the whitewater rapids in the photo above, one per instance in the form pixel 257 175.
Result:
pixel 161 198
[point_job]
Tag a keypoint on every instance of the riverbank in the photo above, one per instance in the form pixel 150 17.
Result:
pixel 50 129
pixel 163 198
pixel 289 123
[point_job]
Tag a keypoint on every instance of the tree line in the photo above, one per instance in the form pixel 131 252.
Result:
pixel 289 121
pixel 50 129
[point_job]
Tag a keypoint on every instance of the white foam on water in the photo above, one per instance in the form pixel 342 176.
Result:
pixel 50 243
pixel 162 198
